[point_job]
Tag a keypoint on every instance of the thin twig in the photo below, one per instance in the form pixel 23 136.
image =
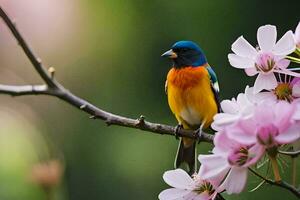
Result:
pixel 290 153
pixel 281 184
pixel 19 90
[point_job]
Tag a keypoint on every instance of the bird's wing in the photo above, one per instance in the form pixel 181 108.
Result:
pixel 214 85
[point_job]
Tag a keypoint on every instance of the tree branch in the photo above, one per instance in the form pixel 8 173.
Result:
pixel 20 90
pixel 54 88
pixel 281 184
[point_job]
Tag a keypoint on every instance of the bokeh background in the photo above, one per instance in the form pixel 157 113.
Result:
pixel 109 53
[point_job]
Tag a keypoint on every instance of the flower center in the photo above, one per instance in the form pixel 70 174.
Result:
pixel 266 135
pixel 265 62
pixel 205 187
pixel 284 91
pixel 239 157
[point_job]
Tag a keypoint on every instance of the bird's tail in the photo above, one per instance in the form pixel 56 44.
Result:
pixel 186 153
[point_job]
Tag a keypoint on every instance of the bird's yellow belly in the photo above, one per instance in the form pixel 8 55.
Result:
pixel 192 104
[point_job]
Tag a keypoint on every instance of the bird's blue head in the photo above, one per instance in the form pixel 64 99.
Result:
pixel 186 53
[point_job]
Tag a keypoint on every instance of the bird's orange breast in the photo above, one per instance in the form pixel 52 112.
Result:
pixel 190 96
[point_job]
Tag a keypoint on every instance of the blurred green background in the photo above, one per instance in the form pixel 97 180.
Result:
pixel 109 53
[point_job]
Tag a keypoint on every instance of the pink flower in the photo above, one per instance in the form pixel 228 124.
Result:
pixel 232 111
pixel 241 107
pixel 288 89
pixel 297 36
pixel 271 126
pixel 187 188
pixel 229 163
pixel 269 58
pixel 295 86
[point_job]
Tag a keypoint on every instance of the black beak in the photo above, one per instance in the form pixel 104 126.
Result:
pixel 169 54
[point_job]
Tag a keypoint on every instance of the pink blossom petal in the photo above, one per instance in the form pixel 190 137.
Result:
pixel 190 196
pixel 242 48
pixel 296 90
pixel 236 180
pixel 178 178
pixel 260 97
pixel 242 100
pixel 213 196
pixel 255 153
pixel 289 136
pixel 286 45
pixel 283 63
pixel 217 127
pixel 248 126
pixel 229 106
pixel 264 113
pixel 265 81
pixel 203 196
pixel 241 136
pixel 283 114
pixel 247 111
pixel 223 143
pixel 240 62
pixel 295 81
pixel 222 119
pixel 251 71
pixel 296 115
pixel 297 35
pixel 174 194
pixel 212 166
pixel 266 37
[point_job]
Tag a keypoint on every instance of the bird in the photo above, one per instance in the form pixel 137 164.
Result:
pixel 192 89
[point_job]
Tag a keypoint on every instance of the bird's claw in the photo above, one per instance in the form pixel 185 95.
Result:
pixel 199 134
pixel 177 128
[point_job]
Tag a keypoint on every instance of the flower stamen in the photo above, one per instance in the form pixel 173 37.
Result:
pixel 205 187
pixel 284 91
pixel 239 157
pixel 265 63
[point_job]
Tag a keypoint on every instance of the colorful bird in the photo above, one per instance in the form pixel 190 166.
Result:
pixel 192 89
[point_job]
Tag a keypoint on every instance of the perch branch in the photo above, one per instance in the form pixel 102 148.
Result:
pixel 54 88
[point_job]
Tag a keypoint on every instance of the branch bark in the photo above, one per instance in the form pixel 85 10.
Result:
pixel 20 90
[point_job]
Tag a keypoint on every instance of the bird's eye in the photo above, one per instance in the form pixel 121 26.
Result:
pixel 184 49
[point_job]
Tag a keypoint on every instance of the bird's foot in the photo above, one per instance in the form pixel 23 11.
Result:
pixel 199 134
pixel 177 129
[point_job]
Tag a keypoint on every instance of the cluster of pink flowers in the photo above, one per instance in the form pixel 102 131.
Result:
pixel 257 123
